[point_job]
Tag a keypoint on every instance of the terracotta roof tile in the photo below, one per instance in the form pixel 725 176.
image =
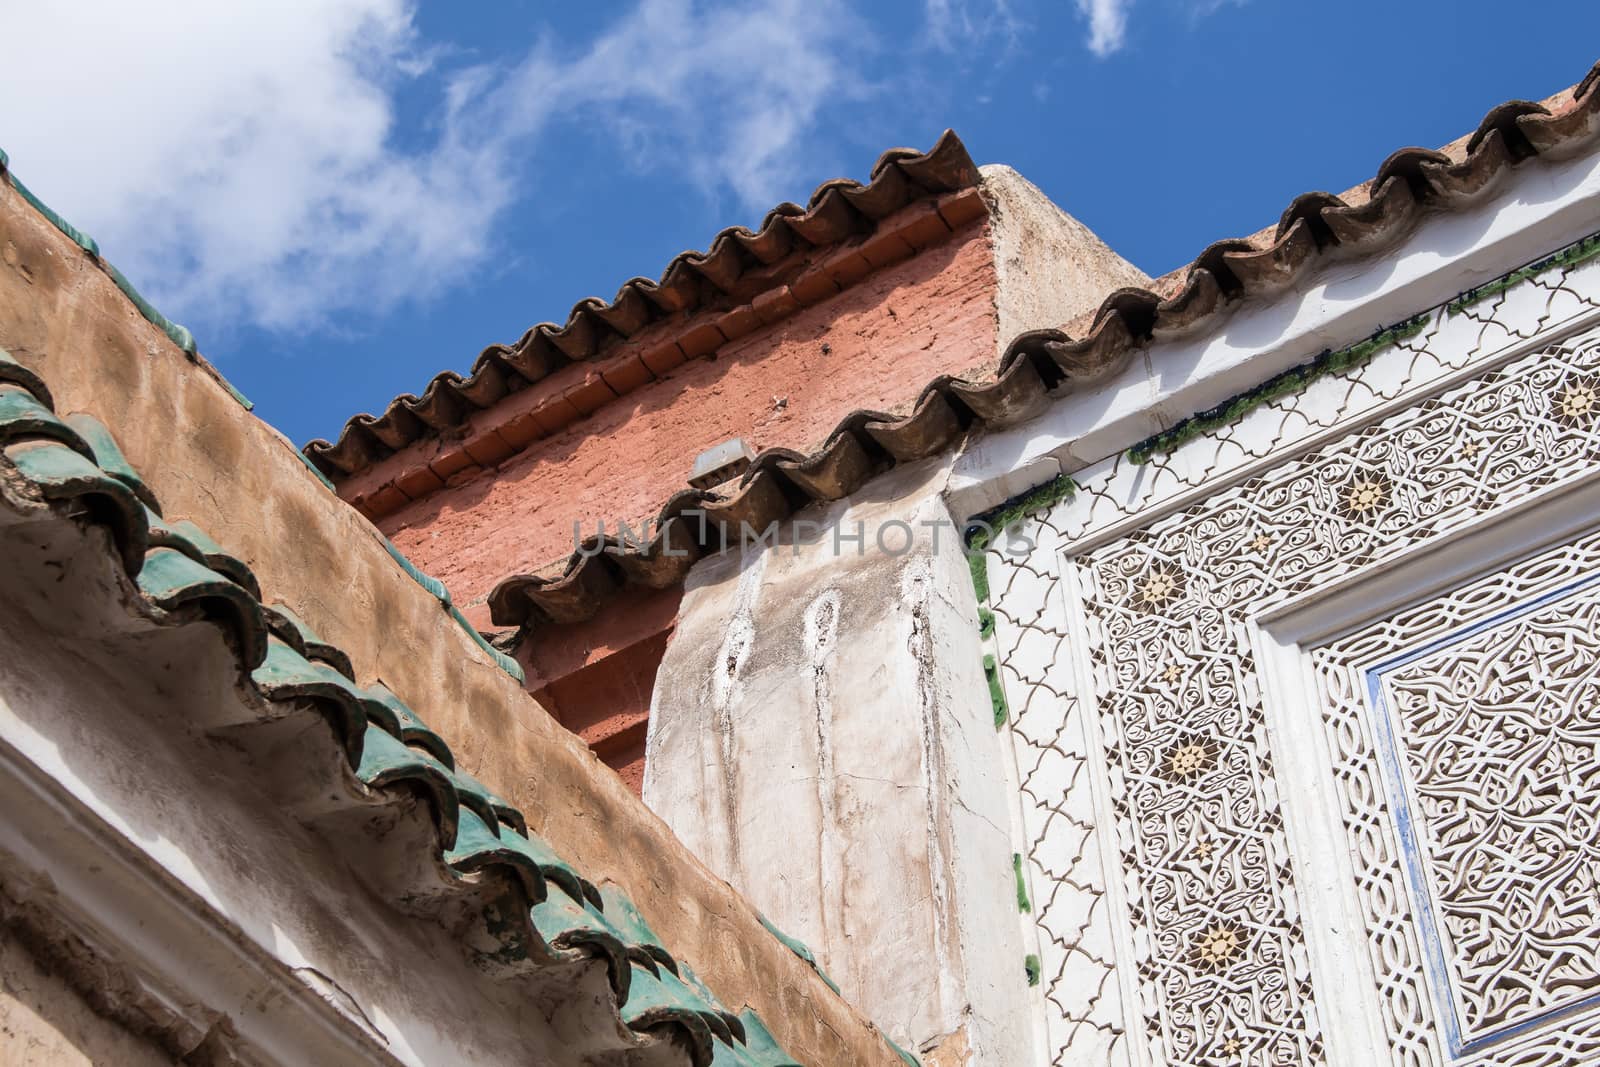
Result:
pixel 1046 363
pixel 838 210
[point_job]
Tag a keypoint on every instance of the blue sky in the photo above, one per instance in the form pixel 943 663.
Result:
pixel 343 197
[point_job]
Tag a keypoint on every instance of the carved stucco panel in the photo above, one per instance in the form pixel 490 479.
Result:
pixel 1163 883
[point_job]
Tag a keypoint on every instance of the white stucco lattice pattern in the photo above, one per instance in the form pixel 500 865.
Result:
pixel 1163 885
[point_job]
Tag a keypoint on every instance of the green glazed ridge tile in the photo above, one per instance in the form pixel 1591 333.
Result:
pixel 760 1045
pixel 566 925
pixel 16 373
pixel 409 726
pixel 799 949
pixel 293 629
pixel 427 581
pixel 178 334
pixel 557 871
pixel 185 567
pixel 624 915
pixel 724 1024
pixel 63 475
pixel 910 1060
pixel 314 469
pixel 733 1054
pixel 172 581
pixel 110 457
pixel 184 536
pixel 476 849
pixel 476 797
pixel 385 761
pixel 506 812
pixel 73 234
pixel 654 1002
pixel 501 660
pixel 216 557
pixel 23 416
pixel 287 675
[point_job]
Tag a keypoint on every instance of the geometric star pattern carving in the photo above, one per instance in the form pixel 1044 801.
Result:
pixel 1195 863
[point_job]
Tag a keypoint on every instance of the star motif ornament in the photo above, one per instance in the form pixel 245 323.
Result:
pixel 1188 759
pixel 1578 402
pixel 1364 497
pixel 1219 945
pixel 1160 586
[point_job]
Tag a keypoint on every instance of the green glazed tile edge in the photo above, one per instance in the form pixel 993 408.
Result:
pixel 313 468
pixel 982 527
pixel 184 339
pixel 1291 382
pixel 1033 967
pixel 799 949
pixel 902 1053
pixel 428 582
pixel 166 573
pixel 997 693
pixel 979 564
pixel 1580 251
pixel 442 595
pixel 501 660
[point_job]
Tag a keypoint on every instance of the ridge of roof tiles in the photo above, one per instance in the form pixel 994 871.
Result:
pixel 1041 365
pixel 181 337
pixel 549 913
pixel 837 210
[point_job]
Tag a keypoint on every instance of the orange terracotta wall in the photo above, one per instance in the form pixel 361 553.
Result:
pixel 872 346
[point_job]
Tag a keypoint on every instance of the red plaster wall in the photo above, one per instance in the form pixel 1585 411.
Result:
pixel 597 676
pixel 873 346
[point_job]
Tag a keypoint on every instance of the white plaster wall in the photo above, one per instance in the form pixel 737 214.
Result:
pixel 1542 206
pixel 821 735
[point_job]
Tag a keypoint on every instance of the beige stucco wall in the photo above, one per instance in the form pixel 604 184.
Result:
pixel 45 1023
pixel 1049 267
pixel 210 461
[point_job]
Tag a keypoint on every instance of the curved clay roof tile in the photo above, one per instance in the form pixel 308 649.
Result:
pixel 1041 362
pixel 837 209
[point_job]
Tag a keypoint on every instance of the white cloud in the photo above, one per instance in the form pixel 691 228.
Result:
pixel 243 161
pixel 1108 24
pixel 956 26
pixel 725 94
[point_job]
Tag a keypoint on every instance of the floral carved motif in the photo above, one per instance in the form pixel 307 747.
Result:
pixel 1190 809
pixel 1500 738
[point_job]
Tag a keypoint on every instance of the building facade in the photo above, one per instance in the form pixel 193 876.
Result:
pixel 1257 688
pixel 1077 668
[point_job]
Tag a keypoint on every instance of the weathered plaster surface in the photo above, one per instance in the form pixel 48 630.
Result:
pixel 44 1022
pixel 873 346
pixel 139 740
pixel 1050 268
pixel 821 735
pixel 210 461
